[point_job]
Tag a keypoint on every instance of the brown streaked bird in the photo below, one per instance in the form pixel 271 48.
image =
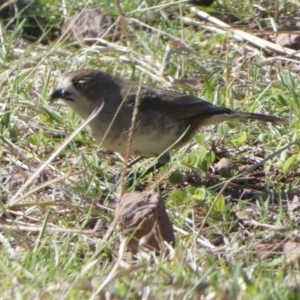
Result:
pixel 163 116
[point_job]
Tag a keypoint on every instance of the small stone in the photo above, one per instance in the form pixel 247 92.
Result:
pixel 291 41
pixel 225 167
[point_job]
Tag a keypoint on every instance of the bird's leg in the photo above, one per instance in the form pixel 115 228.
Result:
pixel 134 161
pixel 163 160
pixel 151 169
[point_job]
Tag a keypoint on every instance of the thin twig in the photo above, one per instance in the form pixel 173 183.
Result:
pixel 242 35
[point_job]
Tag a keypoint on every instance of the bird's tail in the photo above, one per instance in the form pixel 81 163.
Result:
pixel 258 117
pixel 231 115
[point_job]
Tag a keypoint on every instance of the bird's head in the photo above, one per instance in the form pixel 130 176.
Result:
pixel 84 90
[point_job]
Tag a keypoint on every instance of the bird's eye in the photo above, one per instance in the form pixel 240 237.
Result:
pixel 79 85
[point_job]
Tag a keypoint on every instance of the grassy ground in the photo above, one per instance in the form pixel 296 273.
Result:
pixel 236 230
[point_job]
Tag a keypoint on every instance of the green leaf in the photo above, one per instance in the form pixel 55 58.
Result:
pixel 201 153
pixel 210 157
pixel 190 190
pixel 291 164
pixel 263 137
pixel 200 138
pixel 175 178
pixel 191 160
pixel 5 119
pixel 177 197
pixel 53 116
pixel 223 129
pixel 282 101
pixel 242 138
pixel 198 194
pixel 220 204
pixel 203 165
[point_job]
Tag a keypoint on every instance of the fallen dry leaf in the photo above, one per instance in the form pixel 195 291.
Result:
pixel 145 213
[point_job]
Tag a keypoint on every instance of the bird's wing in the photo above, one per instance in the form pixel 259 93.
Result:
pixel 173 104
pixel 181 106
pixel 187 106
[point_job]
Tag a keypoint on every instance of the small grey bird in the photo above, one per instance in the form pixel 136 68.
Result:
pixel 163 116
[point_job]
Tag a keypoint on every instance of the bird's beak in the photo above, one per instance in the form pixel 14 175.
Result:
pixel 59 94
pixel 56 94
